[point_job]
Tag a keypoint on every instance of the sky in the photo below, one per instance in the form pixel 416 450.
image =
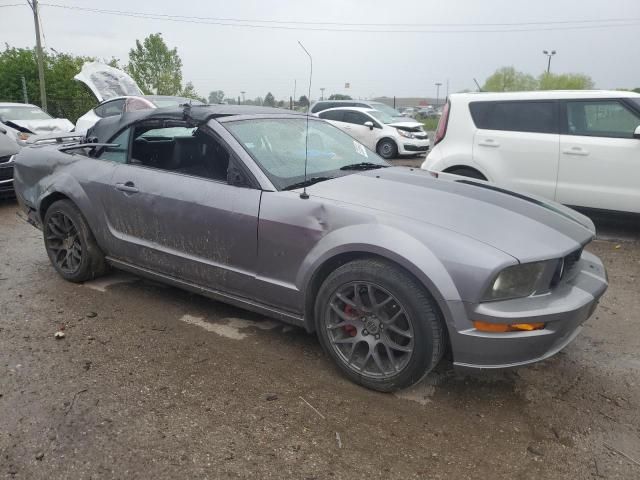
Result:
pixel 402 48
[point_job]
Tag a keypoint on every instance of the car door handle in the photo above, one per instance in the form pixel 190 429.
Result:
pixel 128 187
pixel 488 142
pixel 575 151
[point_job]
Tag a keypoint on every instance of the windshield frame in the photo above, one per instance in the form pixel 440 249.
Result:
pixel 386 109
pixel 385 120
pixel 275 181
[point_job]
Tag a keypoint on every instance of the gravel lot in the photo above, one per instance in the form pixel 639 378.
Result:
pixel 153 382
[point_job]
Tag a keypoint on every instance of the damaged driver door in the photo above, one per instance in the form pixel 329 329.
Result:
pixel 181 220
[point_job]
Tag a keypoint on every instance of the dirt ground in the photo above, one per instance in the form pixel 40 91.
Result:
pixel 153 382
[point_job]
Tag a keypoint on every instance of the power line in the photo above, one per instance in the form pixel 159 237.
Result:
pixel 557 25
pixel 13 5
pixel 227 19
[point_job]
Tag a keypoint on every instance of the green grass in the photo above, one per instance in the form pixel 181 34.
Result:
pixel 430 124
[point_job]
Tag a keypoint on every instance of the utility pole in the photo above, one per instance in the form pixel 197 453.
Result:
pixel 43 91
pixel 322 93
pixel 549 54
pixel 24 90
pixel 295 87
pixel 243 92
pixel 438 85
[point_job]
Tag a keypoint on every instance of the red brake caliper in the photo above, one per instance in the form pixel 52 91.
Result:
pixel 350 329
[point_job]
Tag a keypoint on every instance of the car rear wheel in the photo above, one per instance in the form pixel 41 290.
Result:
pixel 387 149
pixel 379 325
pixel 71 246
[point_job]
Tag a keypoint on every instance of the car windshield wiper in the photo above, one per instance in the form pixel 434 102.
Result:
pixel 363 166
pixel 307 182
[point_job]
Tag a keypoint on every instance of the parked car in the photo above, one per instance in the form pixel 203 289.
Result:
pixel 222 200
pixel 578 148
pixel 22 120
pixel 321 105
pixel 379 131
pixel 117 93
pixel 8 148
pixel 408 112
pixel 427 112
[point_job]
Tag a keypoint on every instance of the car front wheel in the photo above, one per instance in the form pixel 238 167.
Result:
pixel 379 325
pixel 387 149
pixel 71 246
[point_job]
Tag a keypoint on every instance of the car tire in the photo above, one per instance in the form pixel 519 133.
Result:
pixel 384 348
pixel 467 172
pixel 70 244
pixel 387 149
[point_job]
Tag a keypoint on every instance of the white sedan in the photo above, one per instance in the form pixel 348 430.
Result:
pixel 20 121
pixel 378 131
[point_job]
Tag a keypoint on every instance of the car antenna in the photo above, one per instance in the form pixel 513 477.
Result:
pixel 304 195
pixel 478 85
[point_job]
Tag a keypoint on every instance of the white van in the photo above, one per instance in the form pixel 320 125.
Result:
pixel 580 148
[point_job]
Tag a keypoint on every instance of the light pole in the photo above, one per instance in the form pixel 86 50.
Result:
pixel 243 92
pixel 549 54
pixel 438 84
pixel 322 93
pixel 43 91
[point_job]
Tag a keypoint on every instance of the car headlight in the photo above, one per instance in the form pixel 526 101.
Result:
pixel 521 280
pixel 404 133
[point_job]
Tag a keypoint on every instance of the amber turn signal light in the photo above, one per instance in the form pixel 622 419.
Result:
pixel 506 327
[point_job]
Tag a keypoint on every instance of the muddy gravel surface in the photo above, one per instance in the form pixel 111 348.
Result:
pixel 152 382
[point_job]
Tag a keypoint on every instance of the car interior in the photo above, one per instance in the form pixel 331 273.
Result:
pixel 184 150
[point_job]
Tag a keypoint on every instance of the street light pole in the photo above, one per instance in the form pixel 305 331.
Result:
pixel 438 84
pixel 549 54
pixel 43 91
pixel 322 93
pixel 243 92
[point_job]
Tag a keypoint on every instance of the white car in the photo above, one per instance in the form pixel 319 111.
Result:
pixel 321 105
pixel 579 148
pixel 117 93
pixel 378 131
pixel 22 120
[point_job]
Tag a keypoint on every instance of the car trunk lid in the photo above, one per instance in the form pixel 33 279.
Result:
pixel 107 82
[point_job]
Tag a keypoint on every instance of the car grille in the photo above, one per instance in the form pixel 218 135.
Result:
pixel 567 268
pixel 6 173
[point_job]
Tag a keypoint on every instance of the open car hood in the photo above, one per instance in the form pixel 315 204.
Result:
pixel 107 82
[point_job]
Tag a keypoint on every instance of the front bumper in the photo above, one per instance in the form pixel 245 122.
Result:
pixel 6 179
pixel 411 146
pixel 563 311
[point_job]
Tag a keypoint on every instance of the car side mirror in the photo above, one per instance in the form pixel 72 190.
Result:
pixel 236 177
pixel 636 134
pixel 369 124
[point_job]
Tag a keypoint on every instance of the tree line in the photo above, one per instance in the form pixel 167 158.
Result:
pixel 508 79
pixel 155 67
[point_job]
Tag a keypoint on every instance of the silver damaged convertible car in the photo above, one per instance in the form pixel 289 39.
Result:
pixel 391 267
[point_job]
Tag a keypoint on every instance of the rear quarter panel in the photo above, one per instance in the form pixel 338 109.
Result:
pixel 44 170
pixel 456 148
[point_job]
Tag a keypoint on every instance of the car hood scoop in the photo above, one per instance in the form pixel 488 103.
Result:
pixel 525 227
pixel 107 82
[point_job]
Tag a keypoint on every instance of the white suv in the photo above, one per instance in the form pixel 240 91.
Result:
pixel 580 148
